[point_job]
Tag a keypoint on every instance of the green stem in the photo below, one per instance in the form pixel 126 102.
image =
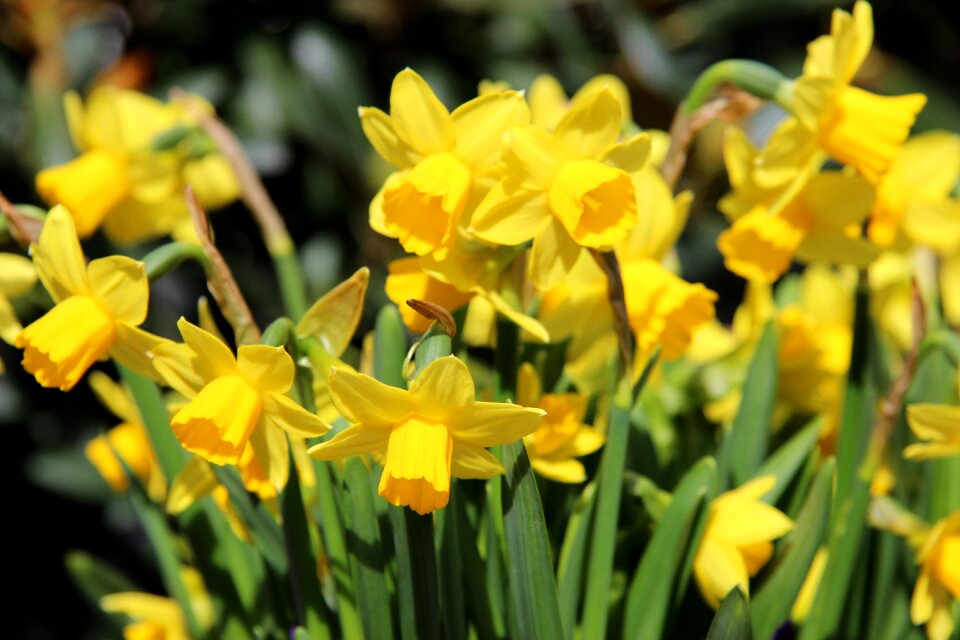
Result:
pixel 753 77
pixel 293 290
pixel 165 258
pixel 153 411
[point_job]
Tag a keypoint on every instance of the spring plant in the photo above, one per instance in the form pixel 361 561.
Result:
pixel 547 433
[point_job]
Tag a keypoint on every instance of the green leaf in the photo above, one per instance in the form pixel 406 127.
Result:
pixel 649 597
pixel 417 596
pixel 95 578
pixel 487 619
pixel 365 550
pixel 450 565
pixel 573 556
pixel 153 411
pixel 389 347
pixel 732 621
pixel 745 445
pixel 789 458
pixel 771 604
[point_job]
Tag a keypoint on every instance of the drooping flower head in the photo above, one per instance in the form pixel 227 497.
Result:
pixel 123 179
pixel 426 435
pixel 98 309
pixel 565 190
pixel 443 159
pixel 236 403
pixel 737 540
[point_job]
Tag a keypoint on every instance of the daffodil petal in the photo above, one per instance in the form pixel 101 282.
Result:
pixel 473 462
pixel 445 385
pixel 195 481
pixel 333 319
pixel 360 398
pixel 591 125
pixel 552 256
pixel 272 452
pixel 921 604
pixel 481 122
pixel 509 216
pixel 113 396
pixel 132 347
pixel 58 257
pixel 181 368
pixel 718 568
pixel 120 285
pixel 491 423
pixel 352 441
pixel 281 411
pixel 17 275
pixel 531 156
pixel 632 155
pixel 268 369
pixel 216 357
pixel 569 471
pixel 10 327
pixel 378 128
pixel 418 116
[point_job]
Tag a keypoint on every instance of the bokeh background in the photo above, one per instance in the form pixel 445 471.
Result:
pixel 288 77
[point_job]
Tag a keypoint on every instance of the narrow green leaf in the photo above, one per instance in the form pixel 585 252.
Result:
pixel 263 528
pixel 487 619
pixel 389 347
pixel 603 540
pixel 450 565
pixel 307 597
pixel 417 596
pixel 95 578
pixel 365 550
pixel 732 620
pixel 649 597
pixel 789 458
pixel 573 556
pixel 771 604
pixel 745 445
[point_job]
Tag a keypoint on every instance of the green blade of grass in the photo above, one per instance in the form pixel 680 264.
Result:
pixel 573 556
pixel 789 458
pixel 732 620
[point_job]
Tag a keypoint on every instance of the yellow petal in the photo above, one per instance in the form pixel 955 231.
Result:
pixel 215 356
pixel 416 469
pixel 591 125
pixel 531 157
pixel 360 398
pixel 17 275
pixel 632 155
pixel 333 319
pixel 481 122
pixel 352 441
pixel 759 246
pixel 114 396
pixel 132 349
pixel 64 343
pixel 534 331
pixel 272 453
pixel 282 412
pixel 487 424
pixel 548 101
pixel 120 286
pixel 940 425
pixel 378 127
pixel 90 187
pixel 836 248
pixel 218 423
pixel 718 568
pixel 443 387
pixel 128 441
pixel 808 591
pixel 595 203
pixel 206 319
pixel 528 385
pixel 587 441
pixel 745 523
pixel 838 200
pixel 213 181
pixel 950 288
pixel 143 606
pixel 552 256
pixel 567 471
pixel 934 224
pixel 58 257
pixel 613 84
pixel 267 369
pixel 509 216
pixel 76 120
pixel 181 368
pixel 921 604
pixel 473 463
pixel 195 481
pixel 408 280
pixel 418 117
pixel 10 327
pixel 132 222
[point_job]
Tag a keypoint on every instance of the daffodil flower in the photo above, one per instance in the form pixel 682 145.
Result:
pixel 98 309
pixel 938 426
pixel 124 184
pixel 737 540
pixel 444 160
pixel 562 436
pixel 816 218
pixel 156 617
pixel 853 126
pixel 128 441
pixel 565 190
pixel 426 435
pixel 236 403
pixel 17 276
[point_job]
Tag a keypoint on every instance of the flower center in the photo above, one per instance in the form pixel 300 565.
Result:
pixel 596 203
pixel 423 208
pixel 217 423
pixel 90 187
pixel 416 472
pixel 60 346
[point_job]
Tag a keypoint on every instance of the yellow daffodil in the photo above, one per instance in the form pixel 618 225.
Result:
pixel 17 276
pixel 565 190
pixel 737 540
pixel 156 617
pixel 562 436
pixel 444 160
pixel 98 309
pixel 817 217
pixel 121 181
pixel 425 435
pixel 196 481
pixel 913 197
pixel 549 103
pixel 808 590
pixel 938 426
pixel 237 403
pixel 128 440
pixel 854 126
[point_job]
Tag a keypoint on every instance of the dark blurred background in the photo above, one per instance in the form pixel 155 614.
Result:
pixel 288 77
